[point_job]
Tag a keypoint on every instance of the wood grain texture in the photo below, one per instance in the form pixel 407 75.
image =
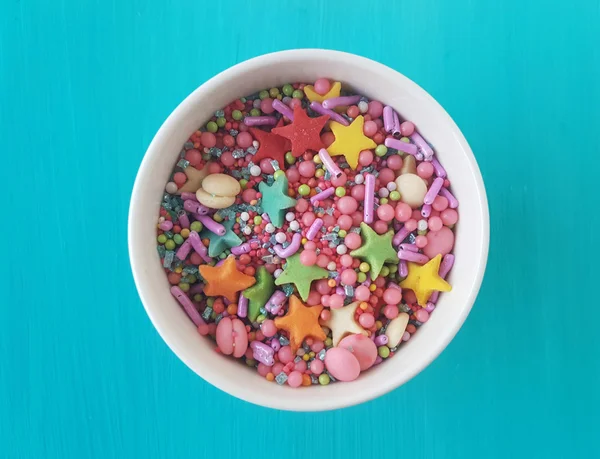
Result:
pixel 84 85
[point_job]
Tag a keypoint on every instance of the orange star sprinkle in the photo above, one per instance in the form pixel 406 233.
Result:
pixel 225 280
pixel 301 322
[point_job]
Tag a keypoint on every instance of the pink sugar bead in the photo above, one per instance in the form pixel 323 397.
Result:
pixel 295 103
pixel 370 128
pixel 352 241
pixel 285 354
pixel 380 227
pixel 322 260
pixel 308 218
pixel 325 302
pixel 208 139
pixel 440 203
pixel 308 257
pixel 347 205
pixel 339 181
pixel 357 218
pixel 307 169
pixel 266 106
pixel 336 301
pixel 416 215
pixel 322 287
pixel 425 170
pixel 317 366
pixel 268 328
pixel 249 195
pixel 358 192
pixel 386 175
pixel 294 379
pixel 266 167
pixel 317 346
pixel 449 216
pixel 244 139
pixel 385 213
pixel 227 159
pixel 366 320
pixel 392 295
pixel 263 369
pixel 310 245
pixel 344 222
pixel 407 128
pixel 346 260
pixel 421 241
pixel 314 298
pixel 411 224
pixel 365 157
pixel 362 293
pixel 322 86
pixel 214 168
pixel 403 212
pixel 395 162
pixel 300 366
pixel 328 220
pixel 391 311
pixel 435 223
pixel 375 109
pixel 348 277
pixel 301 205
pixel 422 315
pixel 292 175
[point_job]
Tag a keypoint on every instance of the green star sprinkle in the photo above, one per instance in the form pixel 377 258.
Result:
pixel 299 275
pixel 376 249
pixel 275 200
pixel 218 244
pixel 259 293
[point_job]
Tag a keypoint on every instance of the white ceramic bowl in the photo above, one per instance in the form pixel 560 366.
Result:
pixel 377 82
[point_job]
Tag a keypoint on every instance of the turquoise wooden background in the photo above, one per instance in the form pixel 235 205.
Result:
pixel 83 87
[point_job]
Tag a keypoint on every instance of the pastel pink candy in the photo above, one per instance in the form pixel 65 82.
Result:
pixel 363 348
pixel 232 337
pixel 439 242
pixel 342 364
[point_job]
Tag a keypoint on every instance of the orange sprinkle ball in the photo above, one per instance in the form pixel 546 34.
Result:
pixel 306 380
pixel 271 377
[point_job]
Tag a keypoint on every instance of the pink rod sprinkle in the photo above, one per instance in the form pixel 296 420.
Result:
pixel 317 107
pixel 265 217
pixel 262 352
pixel 241 249
pixel 276 301
pixel 433 191
pixel 426 210
pixel 337 101
pixel 438 168
pixel 330 165
pixel 167 225
pixel 184 221
pixel 314 229
pixel 242 306
pixel 188 306
pixel 290 249
pixel 452 201
pixel 186 195
pixel 322 195
pixel 445 267
pixel 400 236
pixel 388 119
pixel 403 268
pixel 212 225
pixel 369 198
pixel 396 128
pixel 409 247
pixel 283 109
pixel 423 146
pixel 409 148
pixel 260 121
pixel 184 250
pixel 413 256
pixel 199 248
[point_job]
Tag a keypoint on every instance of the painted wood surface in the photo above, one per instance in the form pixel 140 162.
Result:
pixel 83 87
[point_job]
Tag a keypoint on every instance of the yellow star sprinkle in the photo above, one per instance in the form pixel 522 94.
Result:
pixel 423 280
pixel 311 95
pixel 350 140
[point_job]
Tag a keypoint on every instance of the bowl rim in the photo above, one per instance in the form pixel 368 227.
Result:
pixel 145 168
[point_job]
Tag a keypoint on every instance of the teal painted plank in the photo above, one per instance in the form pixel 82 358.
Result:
pixel 83 88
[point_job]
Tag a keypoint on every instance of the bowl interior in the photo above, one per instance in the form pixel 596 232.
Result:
pixel 377 82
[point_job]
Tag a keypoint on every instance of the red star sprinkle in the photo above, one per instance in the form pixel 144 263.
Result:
pixel 304 132
pixel 271 146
